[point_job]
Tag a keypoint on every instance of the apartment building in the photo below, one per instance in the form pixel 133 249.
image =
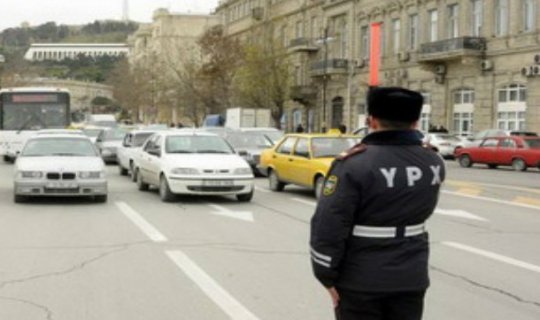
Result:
pixel 477 62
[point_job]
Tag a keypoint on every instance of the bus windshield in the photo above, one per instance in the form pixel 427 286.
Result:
pixel 20 114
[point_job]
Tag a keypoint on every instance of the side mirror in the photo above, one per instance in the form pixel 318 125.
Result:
pixel 155 152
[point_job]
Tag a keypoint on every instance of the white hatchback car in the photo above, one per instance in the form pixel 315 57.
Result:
pixel 59 165
pixel 197 163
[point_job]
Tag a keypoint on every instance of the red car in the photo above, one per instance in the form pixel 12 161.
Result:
pixel 518 152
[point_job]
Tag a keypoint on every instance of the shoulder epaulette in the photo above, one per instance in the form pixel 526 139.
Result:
pixel 359 148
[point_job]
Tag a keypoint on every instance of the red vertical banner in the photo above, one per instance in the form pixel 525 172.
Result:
pixel 375 54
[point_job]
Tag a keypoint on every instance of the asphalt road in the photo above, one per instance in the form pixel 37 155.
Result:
pixel 214 258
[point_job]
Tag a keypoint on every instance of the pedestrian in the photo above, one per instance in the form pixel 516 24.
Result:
pixel 299 128
pixel 342 128
pixel 369 246
pixel 179 125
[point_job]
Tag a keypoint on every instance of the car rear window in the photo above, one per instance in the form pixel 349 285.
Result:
pixel 533 143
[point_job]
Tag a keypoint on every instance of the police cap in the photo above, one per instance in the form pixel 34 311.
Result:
pixel 395 104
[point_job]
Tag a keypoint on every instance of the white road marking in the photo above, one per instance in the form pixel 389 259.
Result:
pixel 459 214
pixel 510 203
pixel 309 203
pixel 493 256
pixel 148 229
pixel 262 189
pixel 240 215
pixel 210 287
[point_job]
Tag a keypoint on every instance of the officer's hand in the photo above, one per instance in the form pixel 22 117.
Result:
pixel 334 295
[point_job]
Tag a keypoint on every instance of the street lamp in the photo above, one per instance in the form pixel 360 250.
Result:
pixel 325 41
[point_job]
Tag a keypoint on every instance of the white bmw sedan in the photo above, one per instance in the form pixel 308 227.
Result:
pixel 196 163
pixel 59 165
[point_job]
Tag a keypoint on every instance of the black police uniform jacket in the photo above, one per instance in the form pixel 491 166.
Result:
pixel 390 180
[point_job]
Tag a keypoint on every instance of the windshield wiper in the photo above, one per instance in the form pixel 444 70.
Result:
pixel 180 151
pixel 67 154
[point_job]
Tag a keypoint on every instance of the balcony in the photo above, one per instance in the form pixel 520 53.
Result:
pixel 452 49
pixel 304 94
pixel 329 67
pixel 302 45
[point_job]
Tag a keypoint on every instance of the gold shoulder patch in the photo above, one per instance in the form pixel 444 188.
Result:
pixel 330 185
pixel 359 148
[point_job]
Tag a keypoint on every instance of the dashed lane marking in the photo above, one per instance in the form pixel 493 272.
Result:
pixel 149 230
pixel 493 256
pixel 264 190
pixel 459 214
pixel 469 191
pixel 234 309
pixel 240 215
pixel 475 185
pixel 510 203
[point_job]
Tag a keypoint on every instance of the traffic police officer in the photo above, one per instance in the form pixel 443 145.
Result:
pixel 369 246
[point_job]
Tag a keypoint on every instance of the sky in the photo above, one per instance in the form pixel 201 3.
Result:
pixel 14 12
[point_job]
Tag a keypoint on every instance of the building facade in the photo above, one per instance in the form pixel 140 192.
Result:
pixel 58 52
pixel 163 47
pixel 477 62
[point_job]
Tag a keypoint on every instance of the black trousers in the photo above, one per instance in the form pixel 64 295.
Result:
pixel 380 306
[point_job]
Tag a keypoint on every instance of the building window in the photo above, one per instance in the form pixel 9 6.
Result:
pixel 512 107
pixel 396 35
pixel 425 116
pixel 453 21
pixel 511 121
pixel 513 93
pixel 501 17
pixel 364 40
pixel 299 30
pixel 314 28
pixel 463 111
pixel 433 25
pixel 283 36
pixel 476 17
pixel 413 31
pixel 529 15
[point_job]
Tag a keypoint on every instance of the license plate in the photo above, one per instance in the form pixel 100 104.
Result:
pixel 217 183
pixel 61 185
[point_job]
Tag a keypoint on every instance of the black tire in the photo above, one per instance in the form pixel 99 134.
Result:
pixel 246 197
pixel 519 165
pixel 319 185
pixel 492 166
pixel 132 172
pixel 101 198
pixel 274 183
pixel 165 193
pixel 141 185
pixel 19 199
pixel 122 171
pixel 465 161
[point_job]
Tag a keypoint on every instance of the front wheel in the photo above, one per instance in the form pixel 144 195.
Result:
pixel 519 165
pixel 274 183
pixel 141 185
pixel 122 171
pixel 465 161
pixel 245 197
pixel 132 172
pixel 319 185
pixel 165 192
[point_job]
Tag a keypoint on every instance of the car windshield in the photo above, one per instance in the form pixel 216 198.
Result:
pixel 197 144
pixel 249 141
pixel 533 143
pixel 330 147
pixel 114 135
pixel 48 147
pixel 274 136
pixel 140 138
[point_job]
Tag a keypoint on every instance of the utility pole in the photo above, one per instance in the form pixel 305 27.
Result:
pixel 325 78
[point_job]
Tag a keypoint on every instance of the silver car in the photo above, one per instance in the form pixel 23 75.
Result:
pixel 59 166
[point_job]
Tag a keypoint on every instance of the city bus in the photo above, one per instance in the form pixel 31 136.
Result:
pixel 23 111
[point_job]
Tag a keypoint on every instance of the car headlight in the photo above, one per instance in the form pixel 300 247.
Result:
pixel 91 174
pixel 185 171
pixel 31 174
pixel 243 171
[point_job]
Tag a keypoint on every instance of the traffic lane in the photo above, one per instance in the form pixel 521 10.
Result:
pixel 504 176
pixel 254 261
pixel 95 262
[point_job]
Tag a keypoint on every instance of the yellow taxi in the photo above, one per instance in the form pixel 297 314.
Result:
pixel 303 159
